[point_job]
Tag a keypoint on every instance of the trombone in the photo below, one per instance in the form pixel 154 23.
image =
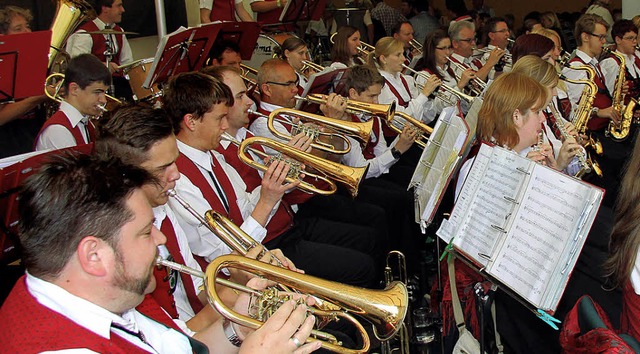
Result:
pixel 384 309
pixel 477 85
pixel 415 45
pixel 331 171
pixel 443 87
pixel 359 131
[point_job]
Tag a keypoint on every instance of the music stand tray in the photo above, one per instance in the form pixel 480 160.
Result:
pixel 320 83
pixel 243 34
pixel 181 51
pixel 23 64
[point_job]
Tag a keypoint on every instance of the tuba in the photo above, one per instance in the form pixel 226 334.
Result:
pixel 69 14
pixel 329 171
pixel 359 131
pixel 620 131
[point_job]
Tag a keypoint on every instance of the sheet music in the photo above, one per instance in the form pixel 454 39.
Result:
pixel 544 233
pixel 438 161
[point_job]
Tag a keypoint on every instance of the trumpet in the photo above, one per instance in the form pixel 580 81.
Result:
pixel 331 171
pixel 477 85
pixel 110 105
pixel 399 120
pixel 443 87
pixel 360 131
pixel 308 64
pixel 384 309
pixel 355 107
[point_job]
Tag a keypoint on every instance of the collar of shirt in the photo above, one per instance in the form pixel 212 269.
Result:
pixel 73 114
pixel 102 25
pixel 81 311
pixel 461 59
pixel 201 158
pixel 241 134
pixel 585 57
pixel 389 76
pixel 268 106
pixel 159 214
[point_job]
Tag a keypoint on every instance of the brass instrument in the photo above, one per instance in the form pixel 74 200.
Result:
pixel 620 131
pixel 482 51
pixel 342 129
pixel 56 86
pixel 308 64
pixel 443 87
pixel 399 120
pixel 363 50
pixel 331 171
pixel 476 85
pixel 355 107
pixel 400 275
pixel 69 14
pixel 415 45
pixel 587 165
pixel 581 115
pixel 384 309
pixel 564 58
pixel 252 84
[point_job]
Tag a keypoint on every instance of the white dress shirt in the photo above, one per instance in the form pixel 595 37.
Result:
pixel 259 127
pixel 98 320
pixel 417 100
pixel 185 312
pixel 485 57
pixel 201 240
pixel 82 43
pixel 383 159
pixel 610 70
pixel 57 136
pixel 434 107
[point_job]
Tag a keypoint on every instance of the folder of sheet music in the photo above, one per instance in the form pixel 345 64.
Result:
pixel 523 223
pixel 438 163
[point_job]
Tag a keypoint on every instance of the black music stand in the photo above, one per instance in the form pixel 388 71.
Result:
pixel 243 34
pixel 181 51
pixel 23 64
pixel 302 10
pixel 324 82
pixel 14 171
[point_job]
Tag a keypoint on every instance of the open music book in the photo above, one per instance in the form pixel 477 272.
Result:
pixel 437 164
pixel 523 223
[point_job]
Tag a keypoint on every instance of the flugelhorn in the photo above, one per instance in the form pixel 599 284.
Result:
pixel 399 120
pixel 356 107
pixel 267 301
pixel 341 129
pixel 443 87
pixel 328 171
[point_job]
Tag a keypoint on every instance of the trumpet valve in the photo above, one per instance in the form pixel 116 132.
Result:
pixel 311 131
pixel 295 167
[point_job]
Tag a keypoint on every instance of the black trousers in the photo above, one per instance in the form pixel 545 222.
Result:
pixel 331 250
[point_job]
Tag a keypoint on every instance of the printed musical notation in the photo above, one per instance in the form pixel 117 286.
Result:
pixel 525 223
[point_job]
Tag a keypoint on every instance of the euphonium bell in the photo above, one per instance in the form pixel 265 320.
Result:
pixel 328 171
pixel 359 131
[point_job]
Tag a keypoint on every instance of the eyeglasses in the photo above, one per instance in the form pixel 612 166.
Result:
pixel 290 84
pixel 601 37
pixel 632 39
pixel 445 48
pixel 468 40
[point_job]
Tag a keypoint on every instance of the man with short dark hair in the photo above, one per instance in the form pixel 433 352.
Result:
pixel 90 248
pixel 225 53
pixel 85 85
pixel 495 40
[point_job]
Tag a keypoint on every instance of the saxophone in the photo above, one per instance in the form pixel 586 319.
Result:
pixel 620 131
pixel 580 116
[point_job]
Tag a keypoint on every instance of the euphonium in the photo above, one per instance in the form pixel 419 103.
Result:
pixel 341 129
pixel 266 302
pixel 69 14
pixel 620 131
pixel 384 309
pixel 581 115
pixel 331 171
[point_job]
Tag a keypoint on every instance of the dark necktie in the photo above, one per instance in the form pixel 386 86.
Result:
pixel 221 194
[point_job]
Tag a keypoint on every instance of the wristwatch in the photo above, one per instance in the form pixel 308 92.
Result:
pixel 396 153
pixel 594 111
pixel 231 334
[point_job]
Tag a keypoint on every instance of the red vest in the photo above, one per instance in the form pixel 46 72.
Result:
pixel 602 99
pixel 270 17
pixel 100 43
pixel 368 149
pixel 166 279
pixel 60 118
pixel 399 100
pixel 29 327
pixel 223 10
pixel 630 319
pixel 282 220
